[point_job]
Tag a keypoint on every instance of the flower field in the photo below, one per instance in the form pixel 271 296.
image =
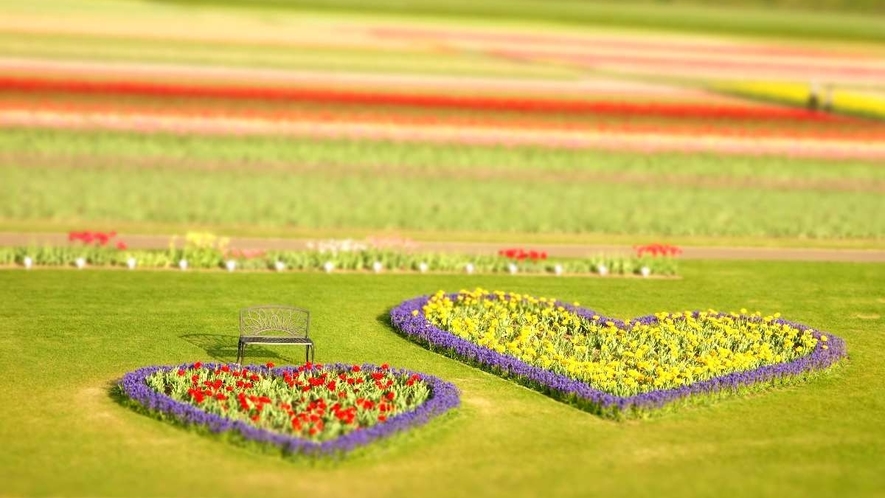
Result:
pixel 309 409
pixel 208 251
pixel 333 163
pixel 608 366
pixel 102 129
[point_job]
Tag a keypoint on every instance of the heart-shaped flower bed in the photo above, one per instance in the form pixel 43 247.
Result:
pixel 312 409
pixel 608 366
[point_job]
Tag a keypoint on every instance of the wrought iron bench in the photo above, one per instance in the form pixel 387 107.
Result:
pixel 275 325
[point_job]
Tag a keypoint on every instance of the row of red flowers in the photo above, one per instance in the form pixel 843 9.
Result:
pixel 657 250
pixel 520 254
pixel 422 100
pixel 99 239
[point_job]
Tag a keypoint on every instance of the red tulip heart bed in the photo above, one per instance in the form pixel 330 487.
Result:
pixel 311 409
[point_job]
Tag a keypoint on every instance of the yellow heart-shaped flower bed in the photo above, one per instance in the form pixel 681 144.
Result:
pixel 609 365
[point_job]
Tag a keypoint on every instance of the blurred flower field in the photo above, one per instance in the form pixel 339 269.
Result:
pixel 350 158
pixel 333 122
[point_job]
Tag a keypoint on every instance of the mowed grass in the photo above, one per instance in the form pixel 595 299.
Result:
pixel 71 178
pixel 67 335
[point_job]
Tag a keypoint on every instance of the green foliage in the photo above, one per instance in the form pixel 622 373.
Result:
pixel 278 183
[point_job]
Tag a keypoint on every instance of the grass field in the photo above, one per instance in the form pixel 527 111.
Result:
pixel 64 433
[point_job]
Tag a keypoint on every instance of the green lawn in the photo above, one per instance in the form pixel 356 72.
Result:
pixel 66 335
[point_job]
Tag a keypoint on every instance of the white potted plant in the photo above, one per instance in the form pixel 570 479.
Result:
pixel 645 271
pixel 80 263
pixel 602 269
pixel 131 263
pixel 231 265
pixel 377 266
pixel 328 266
pixel 182 264
pixel 512 268
pixel 422 267
pixel 28 262
pixel 557 269
pixel 469 268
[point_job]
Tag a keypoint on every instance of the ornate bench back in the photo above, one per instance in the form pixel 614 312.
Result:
pixel 274 320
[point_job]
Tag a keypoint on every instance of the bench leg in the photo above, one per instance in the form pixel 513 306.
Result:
pixel 241 352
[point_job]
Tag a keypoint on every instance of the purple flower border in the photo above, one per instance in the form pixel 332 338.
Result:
pixel 420 329
pixel 444 397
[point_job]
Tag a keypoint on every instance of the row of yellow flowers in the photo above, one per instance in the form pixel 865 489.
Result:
pixel 673 350
pixel 841 99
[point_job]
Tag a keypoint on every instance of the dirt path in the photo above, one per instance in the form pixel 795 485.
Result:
pixel 560 250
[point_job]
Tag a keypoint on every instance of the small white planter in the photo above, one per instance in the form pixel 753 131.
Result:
pixel 557 269
pixel 28 262
pixel 469 268
pixel 422 267
pixel 512 268
pixel 279 266
pixel 183 264
pixel 602 270
pixel 131 263
pixel 377 266
pixel 231 265
pixel 645 271
pixel 328 266
pixel 80 263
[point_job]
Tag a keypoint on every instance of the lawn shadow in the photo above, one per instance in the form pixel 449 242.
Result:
pixel 223 348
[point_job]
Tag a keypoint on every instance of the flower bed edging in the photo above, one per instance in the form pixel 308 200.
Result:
pixel 444 398
pixel 418 328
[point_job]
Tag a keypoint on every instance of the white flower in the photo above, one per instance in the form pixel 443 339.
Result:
pixel 645 271
pixel 80 262
pixel 422 267
pixel 131 263
pixel 511 267
pixel 469 268
pixel 602 269
pixel 279 266
pixel 557 269
pixel 328 266
pixel 28 262
pixel 183 264
pixel 231 265
pixel 377 266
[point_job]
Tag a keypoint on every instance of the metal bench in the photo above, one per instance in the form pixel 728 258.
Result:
pixel 277 326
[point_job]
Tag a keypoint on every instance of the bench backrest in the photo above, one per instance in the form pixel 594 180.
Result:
pixel 274 320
